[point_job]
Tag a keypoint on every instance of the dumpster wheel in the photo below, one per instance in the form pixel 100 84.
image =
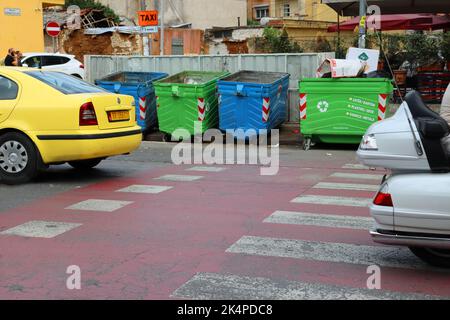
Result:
pixel 167 137
pixel 307 144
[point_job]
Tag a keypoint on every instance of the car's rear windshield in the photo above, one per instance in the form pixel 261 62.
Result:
pixel 64 83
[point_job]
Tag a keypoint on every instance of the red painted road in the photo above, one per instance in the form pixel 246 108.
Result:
pixel 152 247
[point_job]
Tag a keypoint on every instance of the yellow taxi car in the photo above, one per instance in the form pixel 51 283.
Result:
pixel 52 118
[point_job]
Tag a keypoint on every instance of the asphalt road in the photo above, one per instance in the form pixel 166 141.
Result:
pixel 140 227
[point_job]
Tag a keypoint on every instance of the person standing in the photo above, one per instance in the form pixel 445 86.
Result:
pixel 18 58
pixel 10 60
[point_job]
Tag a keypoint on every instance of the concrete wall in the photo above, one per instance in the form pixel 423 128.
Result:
pixel 298 65
pixel 23 32
pixel 192 41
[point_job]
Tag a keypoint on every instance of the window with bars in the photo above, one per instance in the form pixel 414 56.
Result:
pixel 261 12
pixel 286 10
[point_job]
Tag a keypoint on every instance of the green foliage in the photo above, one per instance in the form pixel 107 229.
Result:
pixel 252 23
pixel 419 49
pixel 92 4
pixel 445 46
pixel 278 41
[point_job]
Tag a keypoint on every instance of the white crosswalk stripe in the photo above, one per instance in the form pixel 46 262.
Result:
pixel 179 177
pixel 347 186
pixel 355 166
pixel 137 188
pixel 332 200
pixel 206 169
pixel 40 229
pixel 327 251
pixel 320 220
pixel 214 286
pixel 359 176
pixel 99 205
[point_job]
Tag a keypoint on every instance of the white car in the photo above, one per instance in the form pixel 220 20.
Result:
pixel 65 63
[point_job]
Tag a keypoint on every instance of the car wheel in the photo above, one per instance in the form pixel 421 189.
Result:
pixel 85 164
pixel 18 158
pixel 77 76
pixel 433 256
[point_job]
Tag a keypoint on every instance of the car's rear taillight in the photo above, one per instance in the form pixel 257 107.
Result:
pixel 383 199
pixel 81 66
pixel 87 115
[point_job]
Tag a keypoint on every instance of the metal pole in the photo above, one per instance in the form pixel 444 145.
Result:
pixel 144 35
pixel 362 27
pixel 161 40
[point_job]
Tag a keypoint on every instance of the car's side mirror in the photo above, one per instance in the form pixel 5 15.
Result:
pixel 24 65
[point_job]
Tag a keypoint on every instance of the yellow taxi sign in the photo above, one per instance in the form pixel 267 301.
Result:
pixel 148 18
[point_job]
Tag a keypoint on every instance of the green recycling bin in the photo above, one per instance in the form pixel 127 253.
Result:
pixel 187 100
pixel 340 110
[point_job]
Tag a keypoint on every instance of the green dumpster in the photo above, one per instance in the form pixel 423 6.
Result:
pixel 341 110
pixel 186 99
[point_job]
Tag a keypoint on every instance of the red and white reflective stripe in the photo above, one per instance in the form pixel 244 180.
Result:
pixel 382 98
pixel 266 109
pixel 201 109
pixel 142 108
pixel 302 106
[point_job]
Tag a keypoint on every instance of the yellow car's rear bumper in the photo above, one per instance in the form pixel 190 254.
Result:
pixel 82 146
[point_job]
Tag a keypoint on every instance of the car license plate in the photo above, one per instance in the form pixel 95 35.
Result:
pixel 114 116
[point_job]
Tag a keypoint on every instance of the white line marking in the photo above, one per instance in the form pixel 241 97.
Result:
pixel 320 220
pixel 360 176
pixel 178 177
pixel 355 166
pixel 330 200
pixel 137 188
pixel 327 251
pixel 206 169
pixel 213 286
pixel 99 205
pixel 347 186
pixel 40 229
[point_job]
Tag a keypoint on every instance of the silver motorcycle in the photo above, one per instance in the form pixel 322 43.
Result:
pixel 412 207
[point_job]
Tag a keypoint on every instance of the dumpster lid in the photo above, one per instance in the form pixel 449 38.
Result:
pixel 133 77
pixel 192 77
pixel 256 77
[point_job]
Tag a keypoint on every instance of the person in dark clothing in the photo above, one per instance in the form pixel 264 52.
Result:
pixel 10 60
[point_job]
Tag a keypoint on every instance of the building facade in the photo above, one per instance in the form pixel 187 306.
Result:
pixel 312 10
pixel 197 14
pixel 258 9
pixel 21 24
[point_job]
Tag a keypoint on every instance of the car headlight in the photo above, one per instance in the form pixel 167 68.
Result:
pixel 369 142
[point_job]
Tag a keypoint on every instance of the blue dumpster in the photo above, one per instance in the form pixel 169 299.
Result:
pixel 253 100
pixel 140 86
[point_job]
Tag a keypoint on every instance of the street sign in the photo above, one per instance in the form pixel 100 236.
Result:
pixel 149 29
pixel 53 29
pixel 148 18
pixel 12 12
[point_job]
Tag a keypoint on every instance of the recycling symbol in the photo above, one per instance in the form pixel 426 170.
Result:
pixel 363 56
pixel 323 106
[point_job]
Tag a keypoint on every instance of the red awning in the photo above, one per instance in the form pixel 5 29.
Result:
pixel 400 22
